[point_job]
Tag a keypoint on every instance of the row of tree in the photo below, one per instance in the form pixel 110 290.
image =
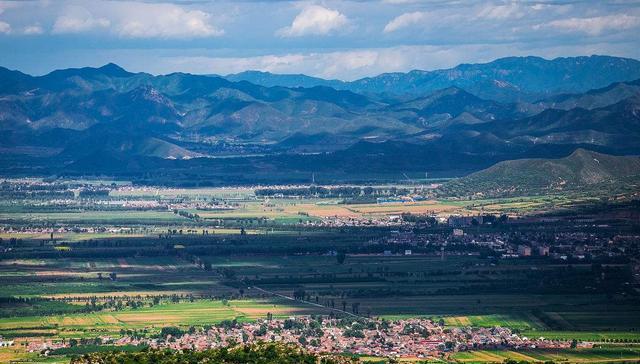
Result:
pixel 331 192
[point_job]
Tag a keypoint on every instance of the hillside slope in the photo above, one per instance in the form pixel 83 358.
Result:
pixel 582 169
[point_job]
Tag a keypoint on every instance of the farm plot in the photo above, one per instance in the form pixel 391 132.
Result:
pixel 520 321
pixel 422 207
pixel 594 355
pixel 200 312
pixel 73 277
pixel 595 336
pixel 95 217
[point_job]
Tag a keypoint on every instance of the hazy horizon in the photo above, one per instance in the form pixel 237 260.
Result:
pixel 304 74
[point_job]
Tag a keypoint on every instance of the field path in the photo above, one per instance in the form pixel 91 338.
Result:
pixel 307 302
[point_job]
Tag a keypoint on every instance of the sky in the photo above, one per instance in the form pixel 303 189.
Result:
pixel 331 39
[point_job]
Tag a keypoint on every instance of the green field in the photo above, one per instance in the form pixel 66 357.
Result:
pixel 522 321
pixel 378 284
pixel 595 355
pixel 598 336
pixel 198 313
pixel 149 217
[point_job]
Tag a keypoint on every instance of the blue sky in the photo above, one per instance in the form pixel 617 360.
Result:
pixel 330 39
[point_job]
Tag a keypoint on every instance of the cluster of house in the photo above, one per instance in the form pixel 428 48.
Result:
pixel 570 245
pixel 142 203
pixel 45 346
pixel 348 221
pixel 5 343
pixel 53 232
pixel 410 338
pixel 392 220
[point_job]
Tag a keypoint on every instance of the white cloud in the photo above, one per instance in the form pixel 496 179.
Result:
pixel 5 27
pixel 405 20
pixel 424 33
pixel 5 5
pixel 478 21
pixel 314 20
pixel 538 7
pixel 78 20
pixel 400 2
pixel 203 64
pixel 502 11
pixel 144 20
pixel 138 20
pixel 33 29
pixel 595 25
pixel 345 65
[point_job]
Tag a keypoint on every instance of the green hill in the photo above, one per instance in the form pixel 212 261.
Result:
pixel 582 170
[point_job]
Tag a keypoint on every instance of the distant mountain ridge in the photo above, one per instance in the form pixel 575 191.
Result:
pixel 455 105
pixel 505 79
pixel 285 80
pixel 593 99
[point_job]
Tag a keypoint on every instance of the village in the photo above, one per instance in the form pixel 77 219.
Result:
pixel 410 338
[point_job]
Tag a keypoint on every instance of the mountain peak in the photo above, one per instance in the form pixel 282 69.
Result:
pixel 581 153
pixel 109 70
pixel 112 69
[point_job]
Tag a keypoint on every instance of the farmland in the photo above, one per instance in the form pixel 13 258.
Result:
pixel 534 314
pixel 150 319
pixel 599 355
pixel 126 261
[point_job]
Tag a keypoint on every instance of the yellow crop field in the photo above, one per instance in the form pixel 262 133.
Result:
pixel 422 207
pixel 321 210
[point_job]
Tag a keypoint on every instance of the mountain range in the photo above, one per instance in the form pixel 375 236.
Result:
pixel 259 127
pixel 506 79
